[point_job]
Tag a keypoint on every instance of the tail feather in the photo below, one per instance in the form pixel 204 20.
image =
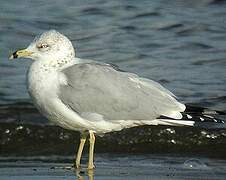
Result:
pixel 197 116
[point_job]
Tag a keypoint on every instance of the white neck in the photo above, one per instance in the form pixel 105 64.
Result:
pixel 49 65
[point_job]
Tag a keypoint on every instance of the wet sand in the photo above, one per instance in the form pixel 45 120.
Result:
pixel 117 167
pixel 36 140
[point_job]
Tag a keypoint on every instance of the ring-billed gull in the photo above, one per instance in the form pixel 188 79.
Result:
pixel 92 97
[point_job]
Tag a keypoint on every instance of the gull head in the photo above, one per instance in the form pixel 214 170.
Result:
pixel 49 46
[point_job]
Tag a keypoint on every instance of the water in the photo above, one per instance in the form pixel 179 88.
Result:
pixel 118 168
pixel 179 43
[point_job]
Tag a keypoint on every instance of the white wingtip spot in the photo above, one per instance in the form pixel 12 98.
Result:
pixel 173 114
pixel 202 119
pixel 182 107
pixel 189 116
pixel 209 116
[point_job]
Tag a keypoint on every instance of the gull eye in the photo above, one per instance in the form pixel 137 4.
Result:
pixel 42 46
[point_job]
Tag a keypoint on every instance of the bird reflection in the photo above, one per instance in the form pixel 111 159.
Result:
pixel 81 174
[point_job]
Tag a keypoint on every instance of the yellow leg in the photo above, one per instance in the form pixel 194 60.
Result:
pixel 90 174
pixel 91 150
pixel 80 174
pixel 80 149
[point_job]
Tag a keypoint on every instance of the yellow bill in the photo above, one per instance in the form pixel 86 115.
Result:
pixel 21 53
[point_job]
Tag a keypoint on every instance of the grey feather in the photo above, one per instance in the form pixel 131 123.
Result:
pixel 115 95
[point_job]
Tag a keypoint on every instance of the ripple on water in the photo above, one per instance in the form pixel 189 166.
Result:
pixel 195 164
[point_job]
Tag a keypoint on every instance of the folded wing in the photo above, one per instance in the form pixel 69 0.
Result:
pixel 101 89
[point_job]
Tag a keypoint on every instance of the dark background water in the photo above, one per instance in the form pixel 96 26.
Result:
pixel 179 43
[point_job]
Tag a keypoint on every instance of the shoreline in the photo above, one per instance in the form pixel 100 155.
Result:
pixel 36 139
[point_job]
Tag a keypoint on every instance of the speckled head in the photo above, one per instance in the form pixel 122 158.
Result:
pixel 49 46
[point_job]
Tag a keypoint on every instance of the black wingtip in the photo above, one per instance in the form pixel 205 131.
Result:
pixel 190 108
pixel 15 55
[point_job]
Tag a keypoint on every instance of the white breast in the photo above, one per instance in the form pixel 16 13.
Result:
pixel 43 83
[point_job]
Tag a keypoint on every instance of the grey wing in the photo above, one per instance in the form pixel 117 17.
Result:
pixel 115 95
